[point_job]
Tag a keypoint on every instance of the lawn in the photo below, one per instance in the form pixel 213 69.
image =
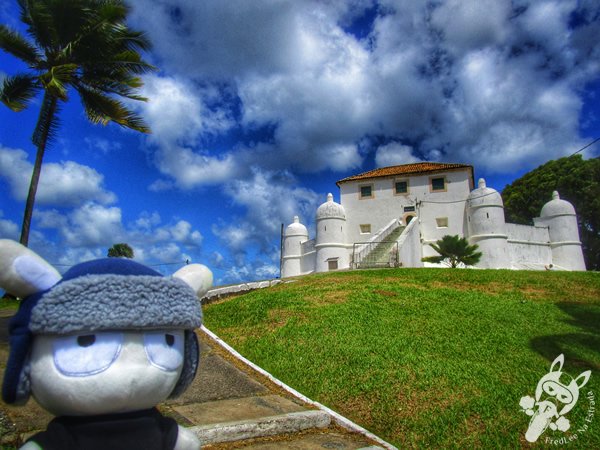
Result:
pixel 427 357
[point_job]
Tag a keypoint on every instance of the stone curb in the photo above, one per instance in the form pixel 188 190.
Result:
pixel 266 426
pixel 336 417
pixel 225 291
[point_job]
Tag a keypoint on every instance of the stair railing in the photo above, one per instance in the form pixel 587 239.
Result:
pixel 362 249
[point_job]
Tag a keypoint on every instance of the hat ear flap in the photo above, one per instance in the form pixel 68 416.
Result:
pixel 191 359
pixel 16 387
pixel 24 384
pixel 23 272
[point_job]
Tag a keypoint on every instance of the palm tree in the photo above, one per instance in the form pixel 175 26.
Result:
pixel 122 250
pixel 454 250
pixel 80 44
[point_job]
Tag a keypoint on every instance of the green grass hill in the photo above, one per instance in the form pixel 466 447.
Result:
pixel 428 357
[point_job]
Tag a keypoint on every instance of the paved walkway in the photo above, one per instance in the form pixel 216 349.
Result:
pixel 230 405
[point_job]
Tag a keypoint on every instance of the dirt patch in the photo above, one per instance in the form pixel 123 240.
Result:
pixel 358 408
pixel 329 298
pixel 532 293
pixel 386 293
pixel 280 317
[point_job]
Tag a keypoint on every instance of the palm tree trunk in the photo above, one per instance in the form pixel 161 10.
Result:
pixel 40 139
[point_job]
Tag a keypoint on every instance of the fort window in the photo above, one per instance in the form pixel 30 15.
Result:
pixel 409 209
pixel 366 191
pixel 442 222
pixel 332 264
pixel 401 187
pixel 365 228
pixel 438 184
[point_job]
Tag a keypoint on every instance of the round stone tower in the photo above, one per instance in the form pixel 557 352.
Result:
pixel 487 226
pixel 293 237
pixel 332 253
pixel 559 215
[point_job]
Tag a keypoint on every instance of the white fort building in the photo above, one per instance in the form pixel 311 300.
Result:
pixel 388 217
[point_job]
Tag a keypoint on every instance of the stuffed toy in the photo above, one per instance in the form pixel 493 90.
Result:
pixel 100 347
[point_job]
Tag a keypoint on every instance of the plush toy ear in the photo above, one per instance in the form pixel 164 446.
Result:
pixel 197 276
pixel 22 271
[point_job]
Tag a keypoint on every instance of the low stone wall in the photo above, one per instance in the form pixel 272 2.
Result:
pixel 517 232
pixel 226 291
pixel 528 244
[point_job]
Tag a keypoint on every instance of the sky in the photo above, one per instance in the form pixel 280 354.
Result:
pixel 259 107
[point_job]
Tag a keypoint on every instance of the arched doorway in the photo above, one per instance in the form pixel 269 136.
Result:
pixel 407 218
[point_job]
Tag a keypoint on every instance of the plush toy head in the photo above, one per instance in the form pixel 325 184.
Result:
pixel 110 336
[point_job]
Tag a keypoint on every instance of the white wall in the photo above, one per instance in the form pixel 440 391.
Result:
pixel 385 205
pixel 308 257
pixel 409 246
pixel 527 233
pixel 528 244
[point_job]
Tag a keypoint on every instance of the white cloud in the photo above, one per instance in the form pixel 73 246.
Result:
pixel 87 233
pixel 266 272
pixel 393 154
pixel 179 117
pixel 93 225
pixel 8 229
pixel 446 77
pixel 269 199
pixel 470 25
pixel 191 169
pixel 61 184
pixel 217 39
pixel 175 112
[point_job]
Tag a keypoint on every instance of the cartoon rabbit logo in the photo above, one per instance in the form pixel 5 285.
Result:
pixel 556 394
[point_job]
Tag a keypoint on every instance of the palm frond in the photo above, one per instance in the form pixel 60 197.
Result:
pixel 17 91
pixel 112 11
pixel 102 109
pixel 40 26
pixel 56 80
pixel 133 39
pixel 15 44
pixel 124 88
pixel 433 259
pixel 69 18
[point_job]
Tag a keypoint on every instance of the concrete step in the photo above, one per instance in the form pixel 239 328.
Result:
pixel 249 417
pixel 237 409
pixel 264 426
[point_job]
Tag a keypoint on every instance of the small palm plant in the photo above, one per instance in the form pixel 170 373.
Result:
pixel 454 250
pixel 83 45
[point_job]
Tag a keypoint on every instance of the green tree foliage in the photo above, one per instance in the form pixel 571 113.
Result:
pixel 122 250
pixel 454 250
pixel 577 181
pixel 83 45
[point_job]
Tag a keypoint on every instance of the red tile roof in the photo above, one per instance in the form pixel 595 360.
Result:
pixel 406 169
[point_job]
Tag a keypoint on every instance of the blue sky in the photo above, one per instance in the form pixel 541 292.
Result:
pixel 260 107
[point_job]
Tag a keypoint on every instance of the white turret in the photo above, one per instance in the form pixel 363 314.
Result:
pixel 487 226
pixel 560 218
pixel 293 237
pixel 332 253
